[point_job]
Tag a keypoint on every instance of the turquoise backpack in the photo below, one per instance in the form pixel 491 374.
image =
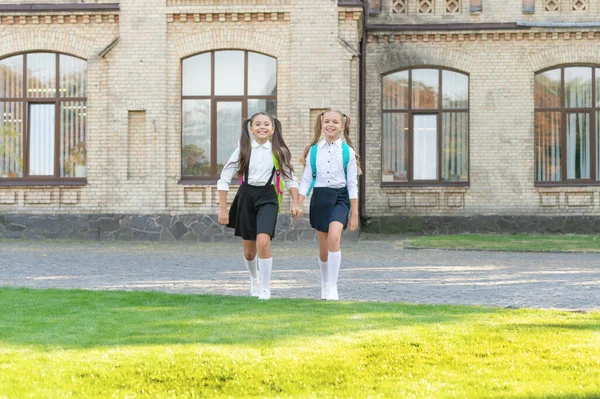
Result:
pixel 313 163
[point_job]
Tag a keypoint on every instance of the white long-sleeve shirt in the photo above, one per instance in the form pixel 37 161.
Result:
pixel 260 169
pixel 330 169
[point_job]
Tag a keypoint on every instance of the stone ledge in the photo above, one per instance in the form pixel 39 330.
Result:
pixel 111 227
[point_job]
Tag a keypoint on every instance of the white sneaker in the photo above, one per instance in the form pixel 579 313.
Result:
pixel 254 286
pixel 324 290
pixel 332 293
pixel 265 294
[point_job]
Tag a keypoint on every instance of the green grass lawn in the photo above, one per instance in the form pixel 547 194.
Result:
pixel 516 242
pixel 90 344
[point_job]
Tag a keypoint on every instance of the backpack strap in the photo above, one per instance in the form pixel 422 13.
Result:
pixel 345 158
pixel 278 180
pixel 313 166
pixel 279 183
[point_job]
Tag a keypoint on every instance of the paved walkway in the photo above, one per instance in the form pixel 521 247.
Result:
pixel 371 270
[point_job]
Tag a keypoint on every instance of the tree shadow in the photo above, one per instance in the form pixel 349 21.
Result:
pixel 86 319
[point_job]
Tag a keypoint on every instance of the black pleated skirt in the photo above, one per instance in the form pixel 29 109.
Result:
pixel 254 211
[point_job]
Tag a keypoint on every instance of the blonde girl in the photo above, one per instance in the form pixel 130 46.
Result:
pixel 334 202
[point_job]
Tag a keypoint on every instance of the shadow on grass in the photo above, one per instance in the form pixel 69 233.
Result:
pixel 84 319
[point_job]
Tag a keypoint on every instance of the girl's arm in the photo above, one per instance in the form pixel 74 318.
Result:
pixel 223 214
pixel 352 182
pixel 305 182
pixel 223 185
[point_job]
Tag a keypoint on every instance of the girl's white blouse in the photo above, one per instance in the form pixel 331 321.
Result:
pixel 261 167
pixel 330 169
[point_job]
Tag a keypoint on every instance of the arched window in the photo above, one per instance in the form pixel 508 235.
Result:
pixel 219 90
pixel 43 99
pixel 567 110
pixel 425 138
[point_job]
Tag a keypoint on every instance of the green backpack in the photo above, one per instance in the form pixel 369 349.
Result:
pixel 279 183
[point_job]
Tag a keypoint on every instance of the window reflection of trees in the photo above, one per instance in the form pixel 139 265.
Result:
pixel 214 104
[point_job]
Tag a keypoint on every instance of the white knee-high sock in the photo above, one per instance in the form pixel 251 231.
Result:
pixel 251 266
pixel 323 267
pixel 334 261
pixel 265 272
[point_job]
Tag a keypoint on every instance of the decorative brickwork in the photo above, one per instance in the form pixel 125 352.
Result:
pixel 580 5
pixel 452 6
pixel 399 6
pixel 425 6
pixel 58 19
pixel 551 5
pixel 229 17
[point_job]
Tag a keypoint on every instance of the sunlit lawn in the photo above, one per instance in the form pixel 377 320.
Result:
pixel 89 344
pixel 516 242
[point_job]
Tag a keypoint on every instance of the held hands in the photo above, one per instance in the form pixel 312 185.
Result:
pixel 223 216
pixel 296 210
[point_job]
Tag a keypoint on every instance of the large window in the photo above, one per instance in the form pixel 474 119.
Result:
pixel 425 138
pixel 567 134
pixel 219 90
pixel 43 100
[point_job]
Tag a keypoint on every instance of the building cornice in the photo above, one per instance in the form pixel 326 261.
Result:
pixel 58 19
pixel 465 36
pixel 228 17
pixel 68 7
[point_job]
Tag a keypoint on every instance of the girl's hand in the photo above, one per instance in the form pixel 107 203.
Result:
pixel 223 216
pixel 353 222
pixel 296 210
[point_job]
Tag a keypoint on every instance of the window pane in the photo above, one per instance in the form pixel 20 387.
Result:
pixel 395 91
pixel 455 90
pixel 395 147
pixel 229 127
pixel 425 147
pixel 547 146
pixel 578 146
pixel 73 127
pixel 41 75
pixel 269 106
pixel 72 77
pixel 455 146
pixel 11 77
pixel 547 89
pixel 425 87
pixel 11 139
pixel 578 87
pixel 41 140
pixel 196 79
pixel 262 75
pixel 195 150
pixel 229 73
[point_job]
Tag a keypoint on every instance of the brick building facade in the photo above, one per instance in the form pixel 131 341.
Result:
pixel 470 115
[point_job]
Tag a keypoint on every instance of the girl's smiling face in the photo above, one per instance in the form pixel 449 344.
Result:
pixel 262 128
pixel 332 125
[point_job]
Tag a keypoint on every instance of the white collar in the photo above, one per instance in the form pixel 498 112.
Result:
pixel 337 142
pixel 266 145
